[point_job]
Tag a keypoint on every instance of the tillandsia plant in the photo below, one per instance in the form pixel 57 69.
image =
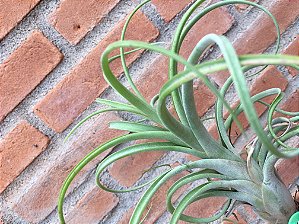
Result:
pixel 253 180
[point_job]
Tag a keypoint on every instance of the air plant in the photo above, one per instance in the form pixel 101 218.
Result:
pixel 253 180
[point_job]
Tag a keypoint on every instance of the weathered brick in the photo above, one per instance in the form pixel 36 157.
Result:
pixel 74 18
pixel 218 21
pixel 93 206
pixel 85 82
pixel 291 104
pixel 241 7
pixel 204 208
pixel 246 214
pixel 47 187
pixel 129 169
pixel 169 9
pixel 157 205
pixel 288 170
pixel 12 12
pixel 270 78
pixel 255 40
pixel 203 96
pixel 153 78
pixel 293 49
pixel 25 69
pixel 17 150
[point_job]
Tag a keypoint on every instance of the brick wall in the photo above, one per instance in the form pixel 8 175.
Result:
pixel 50 76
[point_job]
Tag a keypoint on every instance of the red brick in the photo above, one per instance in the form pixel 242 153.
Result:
pixel 218 21
pixel 12 12
pixel 153 78
pixel 129 169
pixel 241 7
pixel 291 104
pixel 288 170
pixel 192 157
pixel 74 18
pixel 31 62
pixel 213 131
pixel 293 49
pixel 85 82
pixel 157 205
pixel 246 213
pixel 18 149
pixel 93 206
pixel 255 40
pixel 169 9
pixel 47 187
pixel 270 78
pixel 204 208
pixel 203 96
